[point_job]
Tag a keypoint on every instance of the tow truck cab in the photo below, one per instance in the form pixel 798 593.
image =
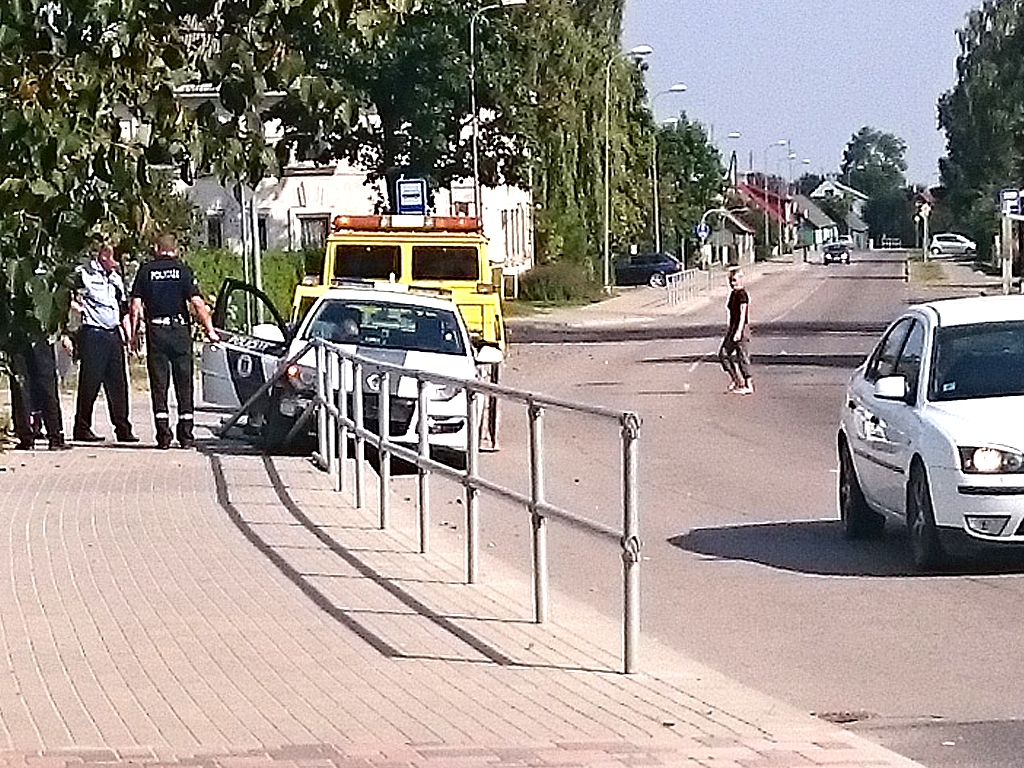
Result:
pixel 446 253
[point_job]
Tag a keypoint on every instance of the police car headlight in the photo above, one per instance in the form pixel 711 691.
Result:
pixel 301 376
pixel 444 392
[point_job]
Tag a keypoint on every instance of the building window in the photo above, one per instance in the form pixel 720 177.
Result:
pixel 313 231
pixel 214 230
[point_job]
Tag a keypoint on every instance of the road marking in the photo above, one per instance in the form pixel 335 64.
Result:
pixel 693 366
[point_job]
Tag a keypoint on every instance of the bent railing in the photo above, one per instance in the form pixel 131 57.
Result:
pixel 688 284
pixel 342 375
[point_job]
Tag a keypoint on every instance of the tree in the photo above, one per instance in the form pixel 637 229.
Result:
pixel 983 118
pixel 874 162
pixel 691 176
pixel 92 125
pixel 808 183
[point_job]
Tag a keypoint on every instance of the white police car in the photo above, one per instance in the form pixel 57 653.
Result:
pixel 932 430
pixel 396 325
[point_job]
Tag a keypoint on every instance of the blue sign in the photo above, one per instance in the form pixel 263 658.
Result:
pixel 412 197
pixel 702 231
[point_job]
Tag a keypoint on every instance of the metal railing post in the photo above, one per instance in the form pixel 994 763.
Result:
pixel 383 454
pixel 539 523
pixel 423 475
pixel 630 542
pixel 332 418
pixel 472 493
pixel 357 408
pixel 321 393
pixel 344 367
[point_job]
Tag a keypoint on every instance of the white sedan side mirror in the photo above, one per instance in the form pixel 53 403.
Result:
pixel 891 388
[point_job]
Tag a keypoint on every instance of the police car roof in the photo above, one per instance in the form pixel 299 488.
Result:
pixel 399 294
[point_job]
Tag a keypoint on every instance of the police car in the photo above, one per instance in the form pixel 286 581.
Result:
pixel 397 325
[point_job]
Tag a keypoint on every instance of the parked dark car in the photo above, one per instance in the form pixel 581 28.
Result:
pixel 836 251
pixel 646 269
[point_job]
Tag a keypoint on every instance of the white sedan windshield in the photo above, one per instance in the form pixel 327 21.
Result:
pixel 387 326
pixel 980 360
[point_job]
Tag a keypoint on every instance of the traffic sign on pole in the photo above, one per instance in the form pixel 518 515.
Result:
pixel 702 230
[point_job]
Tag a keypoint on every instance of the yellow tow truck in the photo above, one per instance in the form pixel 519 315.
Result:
pixel 446 254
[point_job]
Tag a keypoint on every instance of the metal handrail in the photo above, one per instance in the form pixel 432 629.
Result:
pixel 688 284
pixel 340 373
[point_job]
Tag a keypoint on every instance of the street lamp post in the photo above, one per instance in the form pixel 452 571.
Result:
pixel 677 88
pixel 767 228
pixel 638 51
pixel 472 95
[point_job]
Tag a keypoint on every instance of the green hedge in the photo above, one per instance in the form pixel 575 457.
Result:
pixel 559 282
pixel 282 271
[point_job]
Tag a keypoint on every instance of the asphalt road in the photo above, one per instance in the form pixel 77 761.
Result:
pixel 744 565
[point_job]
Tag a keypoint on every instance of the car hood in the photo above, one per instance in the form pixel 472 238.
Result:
pixel 454 366
pixel 981 421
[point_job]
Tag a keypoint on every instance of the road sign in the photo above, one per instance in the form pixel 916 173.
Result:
pixel 1009 200
pixel 702 231
pixel 412 197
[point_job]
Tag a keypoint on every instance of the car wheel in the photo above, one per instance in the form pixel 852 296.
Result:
pixel 936 251
pixel 925 547
pixel 276 427
pixel 657 280
pixel 859 521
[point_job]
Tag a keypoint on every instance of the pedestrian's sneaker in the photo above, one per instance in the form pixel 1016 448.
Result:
pixel 744 390
pixel 731 387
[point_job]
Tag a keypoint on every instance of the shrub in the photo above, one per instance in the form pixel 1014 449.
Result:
pixel 282 270
pixel 559 282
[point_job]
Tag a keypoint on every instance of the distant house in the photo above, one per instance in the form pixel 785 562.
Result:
pixel 731 241
pixel 814 227
pixel 856 228
pixel 834 188
pixel 773 206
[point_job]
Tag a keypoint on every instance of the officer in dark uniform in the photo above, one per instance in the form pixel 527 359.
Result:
pixel 33 382
pixel 164 290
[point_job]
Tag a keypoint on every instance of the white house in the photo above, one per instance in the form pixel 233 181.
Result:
pixel 834 188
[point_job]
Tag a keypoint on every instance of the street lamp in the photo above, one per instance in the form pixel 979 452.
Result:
pixel 472 95
pixel 767 229
pixel 636 52
pixel 677 88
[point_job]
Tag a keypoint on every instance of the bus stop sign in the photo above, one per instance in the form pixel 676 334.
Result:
pixel 412 197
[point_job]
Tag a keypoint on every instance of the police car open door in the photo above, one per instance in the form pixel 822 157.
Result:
pixel 253 342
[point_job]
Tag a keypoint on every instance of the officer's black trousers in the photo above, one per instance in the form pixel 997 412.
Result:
pixel 169 357
pixel 103 363
pixel 34 388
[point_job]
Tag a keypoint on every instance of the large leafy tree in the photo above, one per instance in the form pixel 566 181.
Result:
pixel 874 161
pixel 91 123
pixel 691 178
pixel 983 117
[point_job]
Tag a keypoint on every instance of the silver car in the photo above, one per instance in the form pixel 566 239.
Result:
pixel 952 244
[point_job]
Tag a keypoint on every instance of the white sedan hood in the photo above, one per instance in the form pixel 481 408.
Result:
pixel 981 421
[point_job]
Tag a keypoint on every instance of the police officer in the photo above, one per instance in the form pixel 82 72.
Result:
pixel 103 303
pixel 33 382
pixel 163 291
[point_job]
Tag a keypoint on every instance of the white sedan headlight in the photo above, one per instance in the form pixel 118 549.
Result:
pixel 990 460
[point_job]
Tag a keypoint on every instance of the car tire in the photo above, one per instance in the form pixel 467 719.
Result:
pixel 859 520
pixel 657 280
pixel 922 533
pixel 276 427
pixel 936 251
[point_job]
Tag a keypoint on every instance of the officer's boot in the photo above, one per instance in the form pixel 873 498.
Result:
pixel 186 438
pixel 163 432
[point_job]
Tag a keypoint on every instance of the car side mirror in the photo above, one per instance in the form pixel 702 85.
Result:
pixel 488 354
pixel 891 388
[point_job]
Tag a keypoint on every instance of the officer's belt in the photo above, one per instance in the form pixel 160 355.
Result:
pixel 168 320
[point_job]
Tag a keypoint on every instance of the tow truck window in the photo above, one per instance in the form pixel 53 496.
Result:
pixel 368 261
pixel 445 262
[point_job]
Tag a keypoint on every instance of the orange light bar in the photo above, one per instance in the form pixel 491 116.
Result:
pixel 455 223
pixel 357 222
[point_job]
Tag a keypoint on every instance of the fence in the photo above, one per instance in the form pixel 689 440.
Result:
pixel 341 375
pixel 687 284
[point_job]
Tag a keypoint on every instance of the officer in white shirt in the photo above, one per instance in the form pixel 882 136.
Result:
pixel 102 341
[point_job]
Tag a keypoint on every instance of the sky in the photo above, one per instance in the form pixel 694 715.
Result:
pixel 811 72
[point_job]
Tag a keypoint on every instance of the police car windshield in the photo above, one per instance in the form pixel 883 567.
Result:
pixel 387 326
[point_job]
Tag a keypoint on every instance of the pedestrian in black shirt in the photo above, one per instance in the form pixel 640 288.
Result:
pixel 734 354
pixel 163 292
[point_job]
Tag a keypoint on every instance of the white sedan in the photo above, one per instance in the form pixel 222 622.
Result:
pixel 952 244
pixel 932 430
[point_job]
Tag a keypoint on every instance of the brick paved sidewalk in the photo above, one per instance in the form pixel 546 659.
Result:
pixel 220 608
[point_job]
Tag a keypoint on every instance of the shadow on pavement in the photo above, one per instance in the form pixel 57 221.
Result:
pixel 817 547
pixel 824 360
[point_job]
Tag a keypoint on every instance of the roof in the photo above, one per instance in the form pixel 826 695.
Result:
pixel 767 200
pixel 816 217
pixel 855 223
pixel 395 293
pixel 833 186
pixel 737 222
pixel 978 309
